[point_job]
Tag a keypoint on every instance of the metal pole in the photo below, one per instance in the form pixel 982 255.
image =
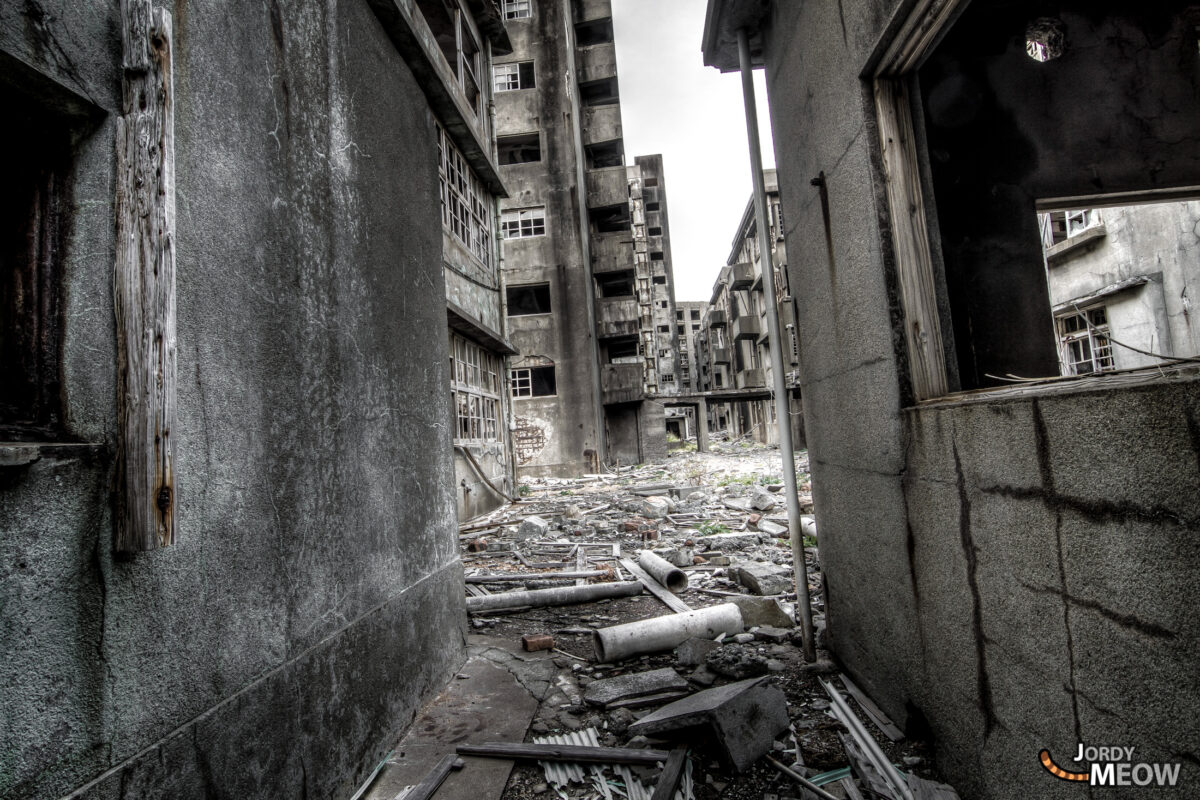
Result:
pixel 775 346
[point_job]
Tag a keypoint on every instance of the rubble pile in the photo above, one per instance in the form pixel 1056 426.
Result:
pixel 706 660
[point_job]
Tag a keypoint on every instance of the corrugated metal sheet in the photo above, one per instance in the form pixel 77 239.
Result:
pixel 560 774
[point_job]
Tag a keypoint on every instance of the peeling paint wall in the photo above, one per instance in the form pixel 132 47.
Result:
pixel 313 599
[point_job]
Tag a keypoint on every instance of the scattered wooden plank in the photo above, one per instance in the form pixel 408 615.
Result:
pixel 672 773
pixel 561 752
pixel 655 588
pixel 873 711
pixel 429 785
pixel 800 779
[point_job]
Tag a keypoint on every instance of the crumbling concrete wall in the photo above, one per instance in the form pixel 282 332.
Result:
pixel 1016 572
pixel 313 599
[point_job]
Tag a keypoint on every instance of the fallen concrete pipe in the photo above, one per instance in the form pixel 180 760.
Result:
pixel 663 571
pixel 808 525
pixel 663 633
pixel 559 596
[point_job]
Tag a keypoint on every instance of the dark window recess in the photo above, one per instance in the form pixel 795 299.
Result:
pixel 596 31
pixel 664 328
pixel 654 231
pixel 440 19
pixel 599 93
pixel 624 347
pixel 611 219
pixel 523 148
pixel 652 206
pixel 525 300
pixel 616 284
pixel 678 314
pixel 660 279
pixel 651 182
pixel 542 382
pixel 606 154
pixel 680 330
pixel 33 225
pixel 695 313
pixel 656 255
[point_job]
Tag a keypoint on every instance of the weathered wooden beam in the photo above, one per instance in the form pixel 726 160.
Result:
pixel 672 773
pixel 144 282
pixel 582 754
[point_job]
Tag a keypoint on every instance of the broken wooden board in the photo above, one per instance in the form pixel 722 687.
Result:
pixel 655 588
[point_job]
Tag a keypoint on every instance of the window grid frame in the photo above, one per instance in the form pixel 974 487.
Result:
pixel 474 391
pixel 466 204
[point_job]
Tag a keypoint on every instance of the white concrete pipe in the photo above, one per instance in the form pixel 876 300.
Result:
pixel 808 525
pixel 663 571
pixel 663 633
pixel 559 596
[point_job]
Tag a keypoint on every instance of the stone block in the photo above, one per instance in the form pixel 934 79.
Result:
pixel 532 526
pixel 765 579
pixel 743 718
pixel 640 684
pixel 763 611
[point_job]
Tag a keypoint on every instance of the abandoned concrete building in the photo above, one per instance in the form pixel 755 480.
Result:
pixel 681 420
pixel 586 268
pixel 1011 563
pixel 734 342
pixel 1122 284
pixel 270 404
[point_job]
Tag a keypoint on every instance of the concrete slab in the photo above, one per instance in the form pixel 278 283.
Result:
pixel 490 703
pixel 638 684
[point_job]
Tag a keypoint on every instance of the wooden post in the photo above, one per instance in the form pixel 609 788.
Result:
pixel 144 283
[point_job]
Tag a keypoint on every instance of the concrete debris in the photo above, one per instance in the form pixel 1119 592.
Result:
pixel 762 500
pixel 736 661
pixel 771 528
pixel 532 526
pixel 653 507
pixel 765 579
pixel 743 719
pixel 607 691
pixel 693 652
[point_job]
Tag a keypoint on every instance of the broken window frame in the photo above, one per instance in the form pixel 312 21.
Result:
pixel 474 391
pixel 1083 338
pixel 513 76
pixel 517 9
pixel 1060 226
pixel 523 223
pixel 533 288
pixel 515 149
pixel 466 202
pixel 523 384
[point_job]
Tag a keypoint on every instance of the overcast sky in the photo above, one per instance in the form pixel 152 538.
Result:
pixel 672 104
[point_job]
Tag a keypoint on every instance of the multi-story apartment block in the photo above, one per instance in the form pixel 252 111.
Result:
pixel 734 342
pixel 1124 283
pixel 586 262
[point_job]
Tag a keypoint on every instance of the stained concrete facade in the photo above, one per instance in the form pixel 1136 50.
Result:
pixel 1139 267
pixel 312 600
pixel 1014 569
pixel 577 236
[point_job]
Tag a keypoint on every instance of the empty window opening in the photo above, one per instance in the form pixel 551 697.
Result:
pixel 610 219
pixel 521 148
pixel 474 390
pixel 678 315
pixel 527 300
pixel 663 304
pixel 518 9
pixel 695 313
pixel 655 231
pixel 596 31
pixel 664 328
pixel 33 225
pixel 602 92
pixel 651 182
pixel 616 284
pixel 533 381
pixel 605 154
pixel 652 206
pixel 656 255
pixel 661 280
pixel 513 77
pixel 466 203
pixel 623 350
pixel 519 223
pixel 456 38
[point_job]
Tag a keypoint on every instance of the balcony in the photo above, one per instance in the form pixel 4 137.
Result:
pixel 741 276
pixel 607 187
pixel 616 317
pixel 596 62
pixel 720 355
pixel 611 252
pixel 601 124
pixel 747 326
pixel 751 379
pixel 594 9
pixel 621 383
pixel 716 318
